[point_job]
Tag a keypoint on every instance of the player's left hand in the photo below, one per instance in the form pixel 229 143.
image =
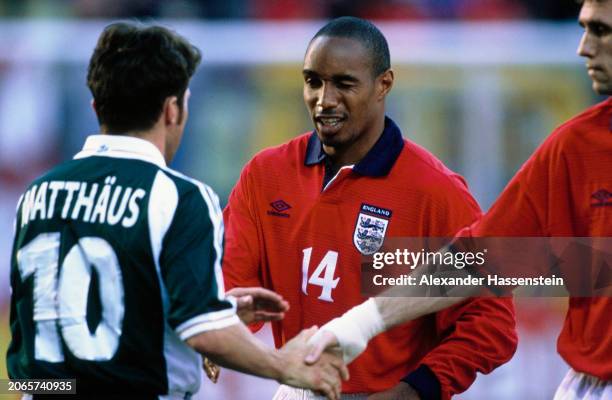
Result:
pixel 401 391
pixel 257 304
pixel 321 341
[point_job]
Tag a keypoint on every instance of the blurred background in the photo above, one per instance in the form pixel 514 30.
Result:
pixel 480 83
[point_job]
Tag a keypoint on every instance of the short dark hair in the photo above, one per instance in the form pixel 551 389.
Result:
pixel 133 69
pixel 364 32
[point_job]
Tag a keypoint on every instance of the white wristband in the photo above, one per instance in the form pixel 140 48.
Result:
pixel 355 328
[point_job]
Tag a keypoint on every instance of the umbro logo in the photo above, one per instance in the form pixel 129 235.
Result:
pixel 103 148
pixel 601 198
pixel 278 208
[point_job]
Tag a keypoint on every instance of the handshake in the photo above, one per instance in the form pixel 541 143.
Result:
pixel 301 362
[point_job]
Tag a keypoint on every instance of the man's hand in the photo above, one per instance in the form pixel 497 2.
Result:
pixel 324 376
pixel 401 391
pixel 257 304
pixel 351 332
pixel 321 341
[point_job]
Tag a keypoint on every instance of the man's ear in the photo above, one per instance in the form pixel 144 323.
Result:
pixel 385 83
pixel 93 106
pixel 171 111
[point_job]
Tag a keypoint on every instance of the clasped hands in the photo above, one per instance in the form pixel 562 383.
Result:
pixel 323 375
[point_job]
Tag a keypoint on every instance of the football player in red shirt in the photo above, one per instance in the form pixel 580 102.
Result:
pixel 563 190
pixel 302 215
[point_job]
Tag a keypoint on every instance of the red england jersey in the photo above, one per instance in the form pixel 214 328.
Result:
pixel 287 232
pixel 565 189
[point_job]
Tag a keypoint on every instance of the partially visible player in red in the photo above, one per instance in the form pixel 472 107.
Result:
pixel 303 213
pixel 564 189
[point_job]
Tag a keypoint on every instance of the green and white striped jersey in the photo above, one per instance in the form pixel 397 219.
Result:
pixel 116 261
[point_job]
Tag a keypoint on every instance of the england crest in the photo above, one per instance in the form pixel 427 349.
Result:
pixel 370 228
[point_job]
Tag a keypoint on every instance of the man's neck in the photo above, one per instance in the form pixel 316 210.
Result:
pixel 153 135
pixel 354 152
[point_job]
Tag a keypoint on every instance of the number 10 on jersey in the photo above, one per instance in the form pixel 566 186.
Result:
pixel 63 298
pixel 323 274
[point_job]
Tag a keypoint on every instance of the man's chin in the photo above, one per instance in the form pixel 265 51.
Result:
pixel 604 89
pixel 334 144
pixel 329 140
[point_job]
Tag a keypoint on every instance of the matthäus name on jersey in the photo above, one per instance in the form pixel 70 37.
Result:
pixel 85 201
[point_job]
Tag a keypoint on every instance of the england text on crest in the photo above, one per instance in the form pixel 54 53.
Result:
pixel 370 228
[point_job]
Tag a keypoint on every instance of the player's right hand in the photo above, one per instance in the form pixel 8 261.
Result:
pixel 324 376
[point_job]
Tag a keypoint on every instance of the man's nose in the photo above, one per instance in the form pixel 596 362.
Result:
pixel 587 46
pixel 328 96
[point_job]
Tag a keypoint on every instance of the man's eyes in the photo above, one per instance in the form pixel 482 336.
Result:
pixel 312 81
pixel 316 82
pixel 599 29
pixel 344 85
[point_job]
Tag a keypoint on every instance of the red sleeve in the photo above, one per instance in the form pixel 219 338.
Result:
pixel 522 211
pixel 481 332
pixel 477 335
pixel 518 209
pixel 538 200
pixel 241 259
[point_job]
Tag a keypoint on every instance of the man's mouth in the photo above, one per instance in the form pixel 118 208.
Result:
pixel 592 67
pixel 329 121
pixel 596 72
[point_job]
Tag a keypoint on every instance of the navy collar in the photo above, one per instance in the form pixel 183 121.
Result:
pixel 377 162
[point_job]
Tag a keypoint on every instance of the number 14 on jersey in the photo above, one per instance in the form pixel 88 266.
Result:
pixel 323 274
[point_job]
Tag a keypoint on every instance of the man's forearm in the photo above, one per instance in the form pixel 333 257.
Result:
pixel 400 304
pixel 397 310
pixel 394 306
pixel 236 348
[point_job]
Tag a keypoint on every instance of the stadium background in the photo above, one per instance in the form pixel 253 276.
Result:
pixel 480 83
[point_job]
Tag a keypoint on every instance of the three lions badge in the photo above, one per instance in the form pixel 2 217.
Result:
pixel 370 228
